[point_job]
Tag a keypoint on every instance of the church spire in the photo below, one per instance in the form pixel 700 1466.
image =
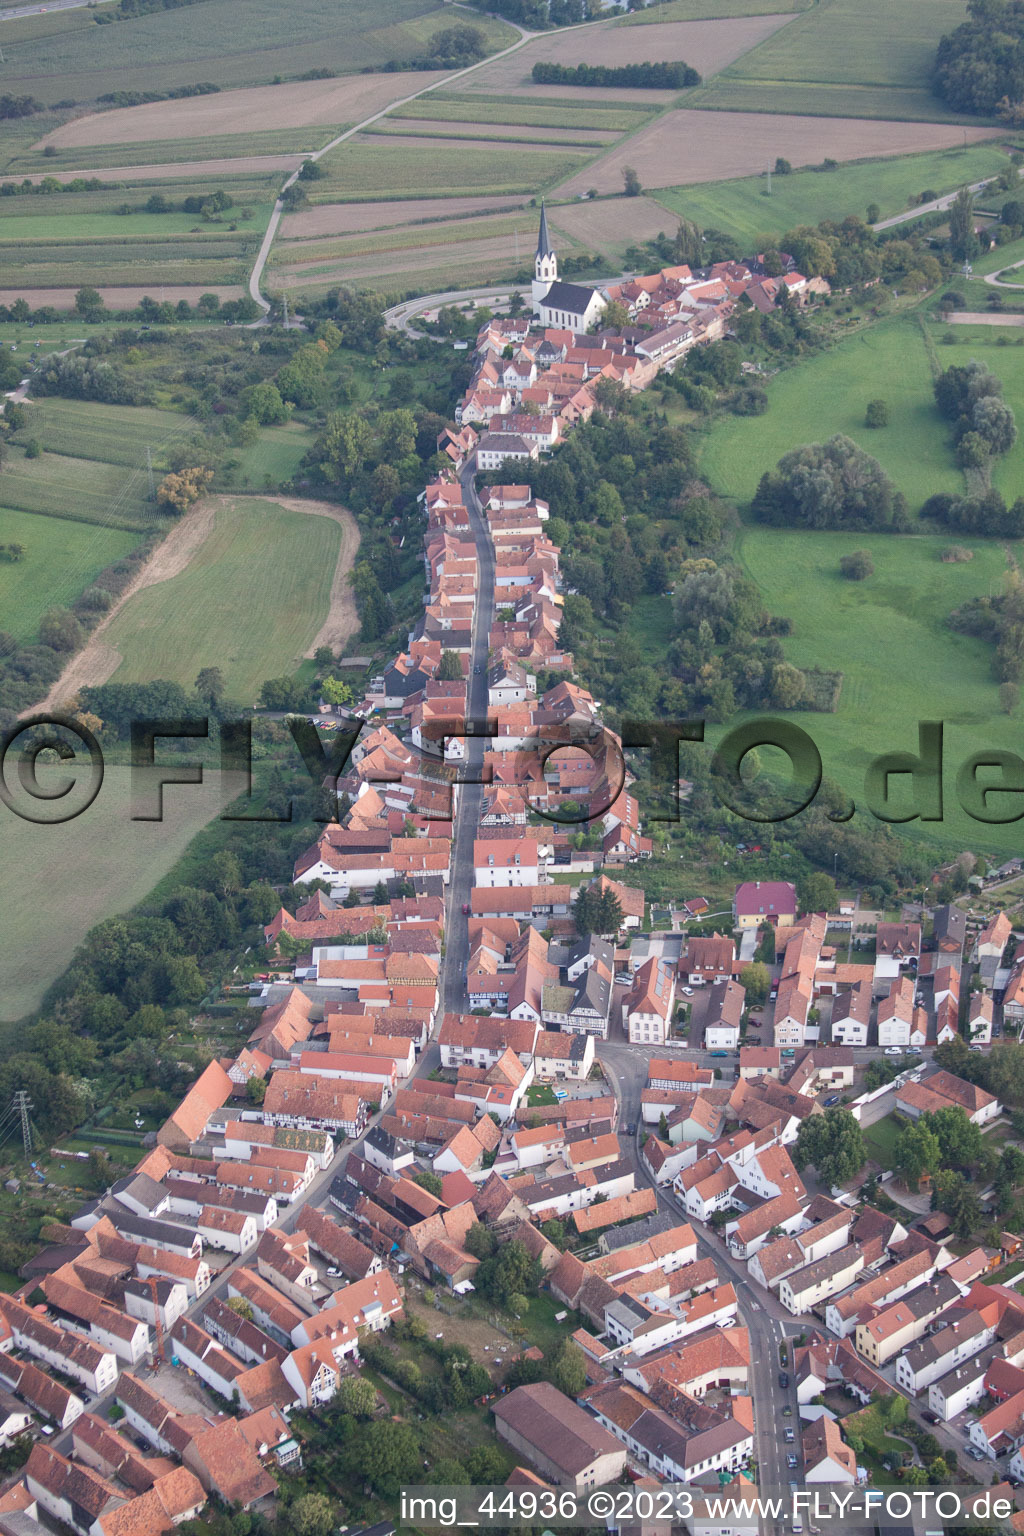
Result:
pixel 543 242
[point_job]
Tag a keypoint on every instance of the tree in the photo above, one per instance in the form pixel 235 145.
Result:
pixel 209 685
pixel 256 1090
pixel 857 566
pixel 89 303
pixel 450 669
pixel 429 1181
pixel 828 485
pixel 60 630
pixel 631 181
pixel 782 167
pixel 180 491
pixel 953 1195
pixel 916 1152
pixel 877 413
pixel 832 1141
pixel 614 316
pixel 511 1273
pixel 756 980
pixel 480 1241
pixel 263 403
pixel 817 892
pixel 569 1369
pixel 960 1140
pixel 963 242
pixel 1009 698
pixel 335 691
pixel 312 1514
pixel 101 1169
pixel 241 1307
pixel 357 1396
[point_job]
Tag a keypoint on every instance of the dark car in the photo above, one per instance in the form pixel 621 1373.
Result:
pixel 931 1418
pixel 832 1099
pixel 630 1130
pixel 783 1378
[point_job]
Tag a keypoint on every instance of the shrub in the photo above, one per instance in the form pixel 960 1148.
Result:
pixel 858 566
pixel 877 413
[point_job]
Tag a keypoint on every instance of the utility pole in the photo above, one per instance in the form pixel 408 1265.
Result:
pixel 149 471
pixel 284 301
pixel 22 1105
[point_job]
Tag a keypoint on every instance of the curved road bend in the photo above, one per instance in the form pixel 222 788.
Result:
pixel 275 217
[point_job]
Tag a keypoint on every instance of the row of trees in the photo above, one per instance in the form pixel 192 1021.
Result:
pixel 656 77
pixel 970 396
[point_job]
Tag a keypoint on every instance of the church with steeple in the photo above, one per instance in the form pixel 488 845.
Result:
pixel 564 306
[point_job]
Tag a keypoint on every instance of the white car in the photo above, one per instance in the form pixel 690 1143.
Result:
pixel 686 991
pixel 894 1050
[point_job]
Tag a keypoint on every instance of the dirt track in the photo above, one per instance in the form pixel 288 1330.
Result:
pixel 342 618
pixel 98 662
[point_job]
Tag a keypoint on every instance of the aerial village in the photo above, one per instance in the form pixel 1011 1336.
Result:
pixel 440 1052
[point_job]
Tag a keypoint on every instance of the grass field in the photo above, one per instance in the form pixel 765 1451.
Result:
pixel 73 58
pixel 900 662
pixel 880 1139
pixel 80 490
pixel 273 459
pixel 381 171
pixel 827 394
pixel 102 862
pixel 61 559
pixel 744 209
pixel 114 434
pixel 912 104
pixel 855 42
pixel 250 601
pixel 1007 362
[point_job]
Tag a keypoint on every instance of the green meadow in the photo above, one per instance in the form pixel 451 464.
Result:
pixel 250 601
pixel 828 393
pixel 900 662
pixel 61 559
pixel 745 209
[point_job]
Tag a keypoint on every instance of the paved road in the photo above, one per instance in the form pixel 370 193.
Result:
pixel 38 10
pixel 275 218
pixel 938 205
pixel 767 1322
pixel 455 998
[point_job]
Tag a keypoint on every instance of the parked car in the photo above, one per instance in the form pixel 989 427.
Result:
pixel 465 909
pixel 894 1050
pixel 914 1050
pixel 783 1378
pixel 773 994
pixel 334 1273
pixel 686 991
pixel 833 1098
pixel 719 1053
pixel 931 1418
pixel 791 1461
pixel 790 1434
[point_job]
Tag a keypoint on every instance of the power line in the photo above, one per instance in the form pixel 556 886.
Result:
pixel 22 1106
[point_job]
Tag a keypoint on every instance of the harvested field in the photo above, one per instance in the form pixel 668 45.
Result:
pixel 966 317
pixel 564 113
pixel 913 104
pixel 706 45
pixel 722 145
pixel 499 251
pixel 432 238
pixel 610 226
pixel 117 298
pixel 352 218
pixel 432 129
pixel 697 10
pixel 180 169
pixel 297 105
